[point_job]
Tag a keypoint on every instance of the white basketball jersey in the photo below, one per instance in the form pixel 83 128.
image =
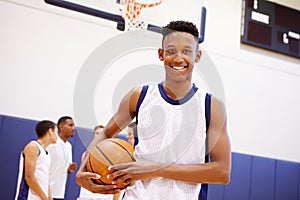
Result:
pixel 172 132
pixel 41 173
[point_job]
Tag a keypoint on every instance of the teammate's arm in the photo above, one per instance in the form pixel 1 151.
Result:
pixel 31 153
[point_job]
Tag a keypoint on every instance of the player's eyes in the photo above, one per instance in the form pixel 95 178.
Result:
pixel 174 51
pixel 186 51
pixel 171 51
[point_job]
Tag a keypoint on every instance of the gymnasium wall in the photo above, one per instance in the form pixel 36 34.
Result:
pixel 43 48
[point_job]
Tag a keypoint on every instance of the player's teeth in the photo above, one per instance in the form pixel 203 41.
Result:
pixel 178 68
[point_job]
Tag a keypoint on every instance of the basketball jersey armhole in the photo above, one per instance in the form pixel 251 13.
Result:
pixel 204 187
pixel 207 110
pixel 140 101
pixel 39 145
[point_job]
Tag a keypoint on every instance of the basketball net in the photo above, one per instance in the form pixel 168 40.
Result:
pixel 131 14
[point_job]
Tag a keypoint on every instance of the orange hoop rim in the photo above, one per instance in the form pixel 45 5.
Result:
pixel 133 8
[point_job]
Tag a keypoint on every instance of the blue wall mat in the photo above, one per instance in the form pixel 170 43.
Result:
pixel 15 134
pixel 286 180
pixel 215 192
pixel 239 186
pixel 262 178
pixel 121 136
pixel 1 120
pixel 298 181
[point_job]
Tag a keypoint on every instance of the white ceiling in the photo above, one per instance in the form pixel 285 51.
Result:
pixel 294 4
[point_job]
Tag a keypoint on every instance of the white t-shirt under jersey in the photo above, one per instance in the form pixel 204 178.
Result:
pixel 61 155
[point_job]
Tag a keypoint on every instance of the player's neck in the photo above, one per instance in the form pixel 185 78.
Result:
pixel 177 90
pixel 63 137
pixel 43 142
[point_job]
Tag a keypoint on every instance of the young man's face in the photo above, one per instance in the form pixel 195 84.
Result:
pixel 68 128
pixel 179 53
pixel 98 131
pixel 130 131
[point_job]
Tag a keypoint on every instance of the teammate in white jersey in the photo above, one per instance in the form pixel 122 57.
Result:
pixel 173 120
pixel 61 152
pixel 33 180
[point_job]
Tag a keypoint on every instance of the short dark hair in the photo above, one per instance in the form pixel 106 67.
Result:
pixel 180 26
pixel 133 126
pixel 42 127
pixel 62 120
pixel 98 126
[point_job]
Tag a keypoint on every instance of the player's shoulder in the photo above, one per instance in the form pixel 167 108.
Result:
pixel 135 92
pixel 32 144
pixel 217 101
pixel 217 108
pixel 31 147
pixel 132 98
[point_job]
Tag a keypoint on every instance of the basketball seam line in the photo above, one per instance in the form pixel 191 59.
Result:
pixel 132 158
pixel 94 170
pixel 103 154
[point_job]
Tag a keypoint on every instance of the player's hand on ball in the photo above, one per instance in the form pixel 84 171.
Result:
pixel 133 171
pixel 86 180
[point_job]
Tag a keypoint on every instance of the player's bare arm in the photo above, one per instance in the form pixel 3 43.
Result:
pixel 31 153
pixel 216 171
pixel 123 116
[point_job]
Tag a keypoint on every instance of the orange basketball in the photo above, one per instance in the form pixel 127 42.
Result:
pixel 109 152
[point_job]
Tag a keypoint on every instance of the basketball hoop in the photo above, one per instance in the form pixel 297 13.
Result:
pixel 131 13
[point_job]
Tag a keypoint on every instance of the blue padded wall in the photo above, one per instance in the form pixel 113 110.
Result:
pixel 258 178
pixel 298 182
pixel 216 192
pixel 262 178
pixel 287 180
pixel 239 186
pixel 1 119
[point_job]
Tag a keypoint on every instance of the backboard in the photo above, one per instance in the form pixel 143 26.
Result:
pixel 155 17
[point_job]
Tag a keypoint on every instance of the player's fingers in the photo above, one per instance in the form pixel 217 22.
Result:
pixel 116 174
pixel 90 175
pixel 105 189
pixel 129 182
pixel 122 179
pixel 119 166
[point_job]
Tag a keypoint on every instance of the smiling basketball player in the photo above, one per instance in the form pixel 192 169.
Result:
pixel 178 125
